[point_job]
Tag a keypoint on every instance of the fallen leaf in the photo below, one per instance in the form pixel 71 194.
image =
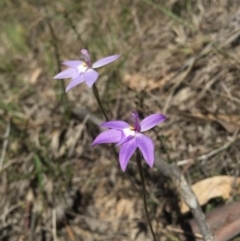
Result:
pixel 213 187
pixel 96 225
pixel 34 75
pixel 183 95
pixel 139 82
pixel 229 122
pixel 125 208
pixel 55 142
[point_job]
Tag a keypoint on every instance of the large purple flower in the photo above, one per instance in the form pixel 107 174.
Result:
pixel 130 137
pixel 81 71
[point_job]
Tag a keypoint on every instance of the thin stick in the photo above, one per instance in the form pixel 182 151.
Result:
pixel 187 195
pixel 211 153
pixel 54 225
pixel 5 144
pixel 139 164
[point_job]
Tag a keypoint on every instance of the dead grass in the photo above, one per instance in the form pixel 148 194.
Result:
pixel 178 58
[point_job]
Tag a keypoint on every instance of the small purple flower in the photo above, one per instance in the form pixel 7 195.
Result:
pixel 81 71
pixel 130 137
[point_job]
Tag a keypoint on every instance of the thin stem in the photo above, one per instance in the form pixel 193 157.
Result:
pixel 57 56
pixel 96 94
pixel 63 96
pixel 139 164
pixel 72 25
pixel 170 14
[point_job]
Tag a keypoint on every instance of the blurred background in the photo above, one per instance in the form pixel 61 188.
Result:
pixel 178 57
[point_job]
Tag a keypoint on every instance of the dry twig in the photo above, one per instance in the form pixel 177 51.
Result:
pixel 211 153
pixel 187 194
pixel 5 144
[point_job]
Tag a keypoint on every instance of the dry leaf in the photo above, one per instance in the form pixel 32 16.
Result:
pixel 96 225
pixel 54 146
pixel 183 95
pixel 139 82
pixel 229 122
pixel 125 208
pixel 35 74
pixel 213 187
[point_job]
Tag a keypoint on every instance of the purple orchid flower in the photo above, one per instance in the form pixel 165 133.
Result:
pixel 81 71
pixel 130 137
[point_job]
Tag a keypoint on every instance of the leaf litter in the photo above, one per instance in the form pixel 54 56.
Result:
pixel 53 184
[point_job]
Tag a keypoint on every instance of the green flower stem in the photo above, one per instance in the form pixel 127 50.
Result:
pixel 139 164
pixel 63 96
pixel 96 94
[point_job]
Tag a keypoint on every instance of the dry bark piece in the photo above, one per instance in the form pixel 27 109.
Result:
pixel 223 221
pixel 220 217
pixel 229 231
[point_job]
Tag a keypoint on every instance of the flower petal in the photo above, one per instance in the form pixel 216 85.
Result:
pixel 72 63
pixel 67 73
pixel 118 125
pixel 124 139
pixel 146 146
pixel 151 121
pixel 136 121
pixel 90 77
pixel 126 152
pixel 79 79
pixel 109 136
pixel 104 61
pixel 86 55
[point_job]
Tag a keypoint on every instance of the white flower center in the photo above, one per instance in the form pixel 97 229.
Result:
pixel 129 132
pixel 82 67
